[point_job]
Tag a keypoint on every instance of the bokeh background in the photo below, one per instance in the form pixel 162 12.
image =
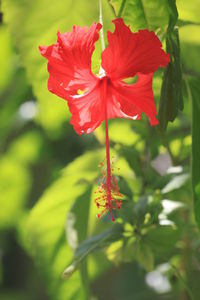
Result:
pixel 48 174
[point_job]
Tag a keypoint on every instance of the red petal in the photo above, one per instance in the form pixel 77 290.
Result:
pixel 87 110
pixel 135 98
pixel 130 53
pixel 69 61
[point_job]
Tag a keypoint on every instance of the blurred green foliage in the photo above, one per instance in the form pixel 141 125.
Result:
pixel 52 246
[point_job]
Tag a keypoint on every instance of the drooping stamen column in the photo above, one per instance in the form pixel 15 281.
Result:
pixel 108 198
pixel 108 177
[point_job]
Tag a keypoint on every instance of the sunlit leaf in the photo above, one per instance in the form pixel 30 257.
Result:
pixel 77 230
pixel 48 242
pixel 139 14
pixel 94 243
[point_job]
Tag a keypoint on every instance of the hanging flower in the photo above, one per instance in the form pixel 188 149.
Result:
pixel 106 95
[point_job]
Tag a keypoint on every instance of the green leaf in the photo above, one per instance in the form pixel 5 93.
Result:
pixel 94 243
pixel 46 224
pixel 48 244
pixel 152 14
pixel 194 94
pixel 171 100
pixel 173 15
pixel 77 228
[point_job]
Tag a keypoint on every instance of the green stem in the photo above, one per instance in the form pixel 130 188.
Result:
pixel 182 281
pixel 101 22
pixel 121 8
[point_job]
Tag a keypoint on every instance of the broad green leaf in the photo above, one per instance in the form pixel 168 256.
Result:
pixel 173 15
pixel 35 23
pixel 171 100
pixel 77 230
pixel 92 244
pixel 152 14
pixel 194 93
pixel 48 243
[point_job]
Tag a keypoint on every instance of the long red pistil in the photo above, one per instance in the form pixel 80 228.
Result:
pixel 108 177
pixel 109 197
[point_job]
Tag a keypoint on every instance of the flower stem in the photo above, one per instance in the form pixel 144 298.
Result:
pixel 101 22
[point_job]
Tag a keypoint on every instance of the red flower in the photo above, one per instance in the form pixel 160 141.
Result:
pixel 107 95
pixel 128 54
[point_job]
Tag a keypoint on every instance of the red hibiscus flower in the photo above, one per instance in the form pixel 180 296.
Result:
pixel 106 95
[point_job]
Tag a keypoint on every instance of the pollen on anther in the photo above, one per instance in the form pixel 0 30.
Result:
pixel 108 201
